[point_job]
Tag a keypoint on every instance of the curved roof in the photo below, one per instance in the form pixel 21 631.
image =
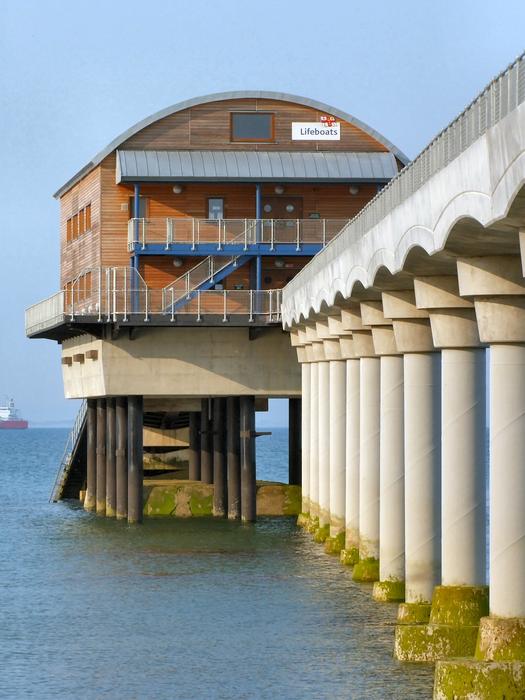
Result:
pixel 217 97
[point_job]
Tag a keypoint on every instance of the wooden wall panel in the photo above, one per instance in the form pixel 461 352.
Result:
pixel 84 251
pixel 207 126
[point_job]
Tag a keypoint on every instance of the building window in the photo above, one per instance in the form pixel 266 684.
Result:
pixel 215 208
pixel 143 207
pixel 252 126
pixel 78 224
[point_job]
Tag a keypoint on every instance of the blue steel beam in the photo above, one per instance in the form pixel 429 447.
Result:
pixel 205 249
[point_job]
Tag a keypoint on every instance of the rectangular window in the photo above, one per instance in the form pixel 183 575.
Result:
pixel 87 215
pixel 215 208
pixel 78 223
pixel 252 126
pixel 75 226
pixel 69 230
pixel 143 207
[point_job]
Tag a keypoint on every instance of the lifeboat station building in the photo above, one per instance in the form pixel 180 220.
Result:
pixel 176 241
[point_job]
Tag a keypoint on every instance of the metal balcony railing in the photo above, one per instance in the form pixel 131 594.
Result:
pixel 120 294
pixel 227 232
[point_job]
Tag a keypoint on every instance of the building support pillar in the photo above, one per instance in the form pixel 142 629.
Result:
pixel 391 575
pixel 367 568
pixel 219 458
pixel 294 441
pixel 497 288
pixel 314 447
pixel 101 456
pixel 391 584
pixel 248 469
pixel 350 554
pixel 135 459
pixel 206 444
pixel 194 454
pixel 233 457
pixel 121 457
pixel 324 452
pixel 305 438
pixel 90 499
pixel 111 473
pixel 461 599
pixel 337 450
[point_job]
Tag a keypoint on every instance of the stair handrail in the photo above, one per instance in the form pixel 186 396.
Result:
pixel 184 280
pixel 69 448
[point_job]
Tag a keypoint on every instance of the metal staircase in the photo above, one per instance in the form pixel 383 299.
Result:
pixel 71 472
pixel 202 276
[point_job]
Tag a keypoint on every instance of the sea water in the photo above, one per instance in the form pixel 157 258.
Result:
pixel 189 609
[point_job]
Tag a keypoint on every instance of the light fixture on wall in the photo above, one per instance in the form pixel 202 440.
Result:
pixel 353 189
pixel 278 189
pixel 178 262
pixel 279 262
pixel 177 189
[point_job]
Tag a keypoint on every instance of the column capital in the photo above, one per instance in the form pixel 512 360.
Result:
pixel 452 318
pixel 411 325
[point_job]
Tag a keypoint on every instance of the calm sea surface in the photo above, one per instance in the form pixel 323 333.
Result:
pixel 178 609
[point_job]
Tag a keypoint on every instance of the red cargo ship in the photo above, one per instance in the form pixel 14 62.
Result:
pixel 9 419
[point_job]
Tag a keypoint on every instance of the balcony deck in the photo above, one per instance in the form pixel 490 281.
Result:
pixel 67 315
pixel 187 236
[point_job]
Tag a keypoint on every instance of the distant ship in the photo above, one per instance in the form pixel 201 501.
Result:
pixel 9 419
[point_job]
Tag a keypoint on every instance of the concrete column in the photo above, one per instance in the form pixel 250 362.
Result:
pixel 248 469
pixel 507 480
pixel 233 457
pixel 219 458
pixel 314 441
pixel 368 470
pixel 391 482
pixel 337 432
pixel 91 455
pixel 101 456
pixel 305 436
pixel 324 447
pixel 464 444
pixel 194 453
pixel 206 444
pixel 121 457
pixel 350 554
pixel 135 459
pixel 111 472
pixel 294 441
pixel 422 475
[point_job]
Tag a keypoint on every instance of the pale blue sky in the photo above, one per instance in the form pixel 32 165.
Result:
pixel 74 75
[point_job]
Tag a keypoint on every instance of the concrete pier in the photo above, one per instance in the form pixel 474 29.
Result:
pixel 220 499
pixel 135 459
pixel 101 457
pixel 206 443
pixel 314 441
pixel 233 450
pixel 350 554
pixel 90 499
pixel 324 450
pixel 121 457
pixel 111 466
pixel 194 453
pixel 305 432
pixel 337 435
pixel 248 478
pixel 294 442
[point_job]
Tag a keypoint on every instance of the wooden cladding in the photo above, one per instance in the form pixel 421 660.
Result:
pixel 208 126
pixel 78 224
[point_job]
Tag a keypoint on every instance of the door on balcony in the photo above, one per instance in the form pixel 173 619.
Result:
pixel 285 211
